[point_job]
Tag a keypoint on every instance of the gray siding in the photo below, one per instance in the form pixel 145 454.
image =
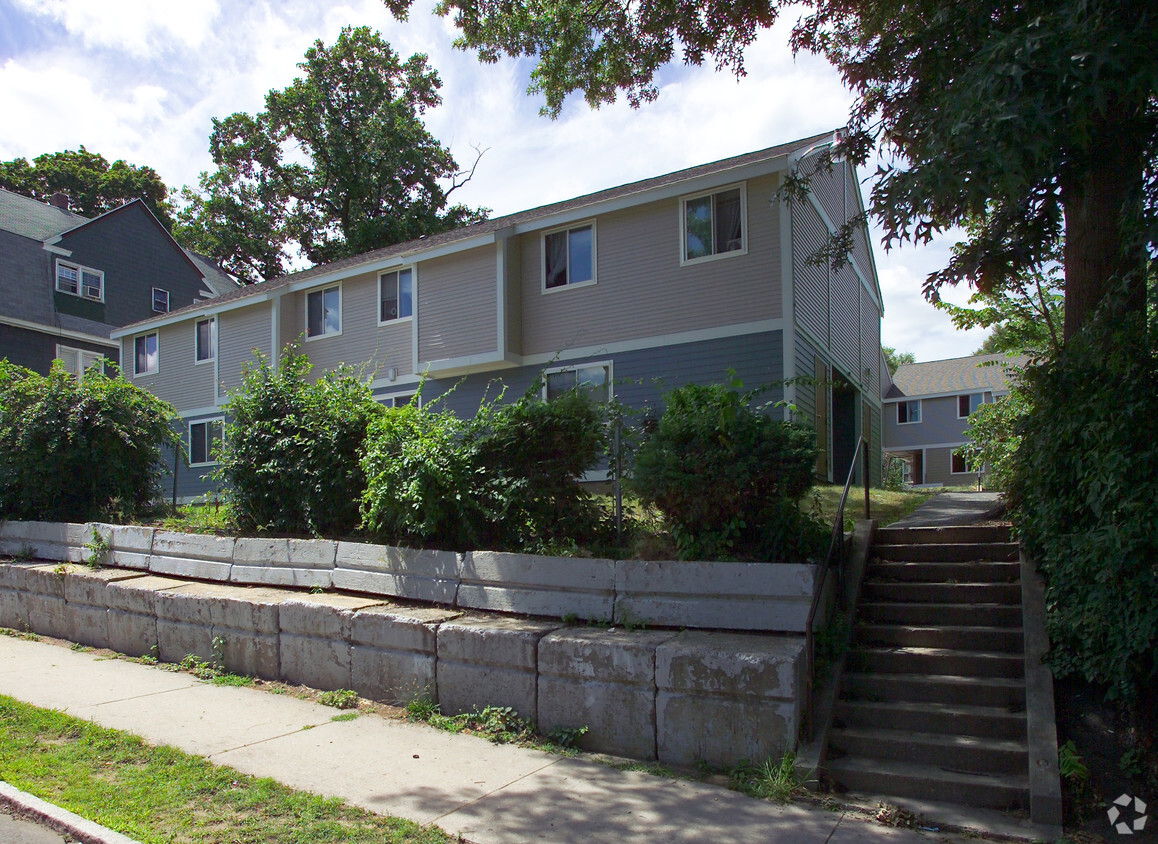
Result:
pixel 869 371
pixel 806 392
pixel 458 305
pixel 811 280
pixel 177 380
pixel 26 279
pixel 641 289
pixel 240 333
pixel 939 424
pixel 845 310
pixel 938 469
pixel 36 350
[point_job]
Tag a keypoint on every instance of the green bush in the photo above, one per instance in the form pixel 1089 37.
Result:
pixel 1085 498
pixel 728 477
pixel 290 457
pixel 79 451
pixel 994 436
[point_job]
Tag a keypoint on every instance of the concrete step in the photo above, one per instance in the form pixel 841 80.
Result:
pixel 941 593
pixel 947 553
pixel 909 779
pixel 963 637
pixel 962 754
pixel 935 688
pixel 927 661
pixel 960 719
pixel 942 535
pixel 989 614
pixel 976 571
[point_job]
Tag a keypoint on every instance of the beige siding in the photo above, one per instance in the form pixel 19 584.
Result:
pixel 642 290
pixel 514 302
pixel 293 320
pixel 178 381
pixel 457 305
pixel 239 334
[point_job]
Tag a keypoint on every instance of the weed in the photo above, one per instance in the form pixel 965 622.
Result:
pixel 345 716
pixel 653 768
pixel 198 667
pixel 566 736
pixel 26 553
pixel 569 618
pixel 98 549
pixel 60 569
pixel 27 635
pixel 891 815
pixel 1070 764
pixel 498 724
pixel 318 590
pixel 631 621
pixel 228 679
pixel 339 699
pixel 778 781
pixel 79 648
pixel 421 709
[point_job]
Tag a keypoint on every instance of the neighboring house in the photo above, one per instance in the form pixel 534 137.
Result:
pixel 630 291
pixel 66 281
pixel 927 410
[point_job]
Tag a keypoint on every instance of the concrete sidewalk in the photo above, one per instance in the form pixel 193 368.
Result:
pixel 954 508
pixel 488 793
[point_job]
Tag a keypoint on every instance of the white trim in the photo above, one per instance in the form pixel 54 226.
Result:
pixel 306 309
pixel 923 446
pixel 56 250
pixel 864 386
pixel 212 340
pixel 997 392
pixel 920 414
pixel 207 309
pixel 714 256
pixel 81 269
pixel 397 271
pixel 157 369
pixel 81 354
pixel 202 412
pixel 570 285
pixel 400 381
pixel 572 367
pixel 207 421
pixel 409 394
pixel 970 395
pixel 52 331
pixel 968 471
pixel 157 290
pixel 275 332
pixel 467 364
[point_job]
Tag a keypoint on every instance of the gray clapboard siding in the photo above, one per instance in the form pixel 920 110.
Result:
pixel 458 305
pixel 861 251
pixel 641 288
pixel 845 311
pixel 364 345
pixel 870 343
pixel 939 424
pixel 240 333
pixel 811 280
pixel 805 393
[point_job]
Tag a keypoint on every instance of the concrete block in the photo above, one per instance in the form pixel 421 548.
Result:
pixel 190 567
pixel 129 545
pixel 490 661
pixel 86 603
pixel 56 541
pixel 312 553
pixel 279 576
pixel 393 652
pixel 285 553
pixel 537 585
pixel 184 623
pixel 726 697
pixel 193 546
pixel 43 599
pixel 728 596
pixel 13 608
pixel 132 621
pixel 315 639
pixel 418 575
pixel 603 680
pixel 261 552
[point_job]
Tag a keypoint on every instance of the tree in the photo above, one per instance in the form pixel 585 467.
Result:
pixel 1026 316
pixel 1028 119
pixel 895 360
pixel 93 185
pixel 338 163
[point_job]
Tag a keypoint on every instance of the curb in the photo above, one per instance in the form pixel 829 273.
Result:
pixel 60 819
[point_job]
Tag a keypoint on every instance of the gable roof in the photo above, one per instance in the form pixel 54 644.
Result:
pixel 496 224
pixel 956 375
pixel 217 280
pixel 34 219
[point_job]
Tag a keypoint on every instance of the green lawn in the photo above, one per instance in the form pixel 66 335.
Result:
pixel 158 794
pixel 886 506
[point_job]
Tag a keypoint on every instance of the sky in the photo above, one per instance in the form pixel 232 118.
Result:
pixel 141 81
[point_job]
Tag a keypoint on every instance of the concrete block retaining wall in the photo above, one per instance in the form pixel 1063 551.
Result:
pixel 673 696
pixel 759 597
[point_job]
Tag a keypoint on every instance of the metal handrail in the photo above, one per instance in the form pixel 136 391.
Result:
pixel 835 550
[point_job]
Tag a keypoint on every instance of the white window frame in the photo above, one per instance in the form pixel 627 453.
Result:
pixel 209 461
pixel 609 365
pixel 969 396
pixel 323 290
pixel 81 270
pixel 157 310
pixel 80 356
pixel 157 368
pixel 685 261
pixel 570 285
pixel 397 272
pixel 392 400
pixel 911 421
pixel 197 361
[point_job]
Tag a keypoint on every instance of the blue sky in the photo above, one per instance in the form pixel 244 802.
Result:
pixel 141 80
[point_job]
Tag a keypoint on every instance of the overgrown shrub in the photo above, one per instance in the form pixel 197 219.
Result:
pixel 994 436
pixel 728 477
pixel 290 457
pixel 1085 496
pixel 79 451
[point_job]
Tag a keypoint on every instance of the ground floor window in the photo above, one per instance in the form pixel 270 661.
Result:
pixel 204 437
pixel 595 378
pixel 958 465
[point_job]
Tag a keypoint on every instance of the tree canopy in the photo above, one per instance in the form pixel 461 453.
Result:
pixel 93 185
pixel 894 360
pixel 338 163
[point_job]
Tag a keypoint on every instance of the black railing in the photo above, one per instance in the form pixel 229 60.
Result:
pixel 835 557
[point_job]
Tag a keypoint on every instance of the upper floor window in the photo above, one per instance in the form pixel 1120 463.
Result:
pixel 908 412
pixel 969 403
pixel 324 312
pixel 395 295
pixel 594 378
pixel 569 257
pixel 204 438
pixel 78 361
pixel 80 281
pixel 713 224
pixel 145 358
pixel 160 300
pixel 206 340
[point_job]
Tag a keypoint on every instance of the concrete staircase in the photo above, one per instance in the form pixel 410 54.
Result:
pixel 932 699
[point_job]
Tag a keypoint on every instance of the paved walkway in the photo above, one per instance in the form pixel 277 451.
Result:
pixel 488 793
pixel 953 508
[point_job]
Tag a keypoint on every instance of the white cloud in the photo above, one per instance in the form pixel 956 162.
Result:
pixel 140 27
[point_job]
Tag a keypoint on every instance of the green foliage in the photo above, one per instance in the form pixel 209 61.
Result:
pixel 994 436
pixel 1070 764
pixel 291 450
pixel 339 163
pixel 1084 492
pixel 770 780
pixel 728 477
pixel 79 451
pixel 98 549
pixel 895 360
pixel 339 699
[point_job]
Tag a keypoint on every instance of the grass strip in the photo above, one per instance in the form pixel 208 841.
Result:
pixel 159 794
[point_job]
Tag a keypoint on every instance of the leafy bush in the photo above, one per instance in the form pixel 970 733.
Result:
pixel 727 476
pixel 994 437
pixel 291 452
pixel 1085 493
pixel 79 451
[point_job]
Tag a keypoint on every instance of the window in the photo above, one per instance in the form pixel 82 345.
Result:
pixel 145 362
pixel 160 300
pixel 78 361
pixel 967 404
pixel 592 377
pixel 908 412
pixel 713 224
pixel 569 257
pixel 324 312
pixel 958 465
pixel 206 340
pixel 397 400
pixel 204 437
pixel 80 281
pixel 395 295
